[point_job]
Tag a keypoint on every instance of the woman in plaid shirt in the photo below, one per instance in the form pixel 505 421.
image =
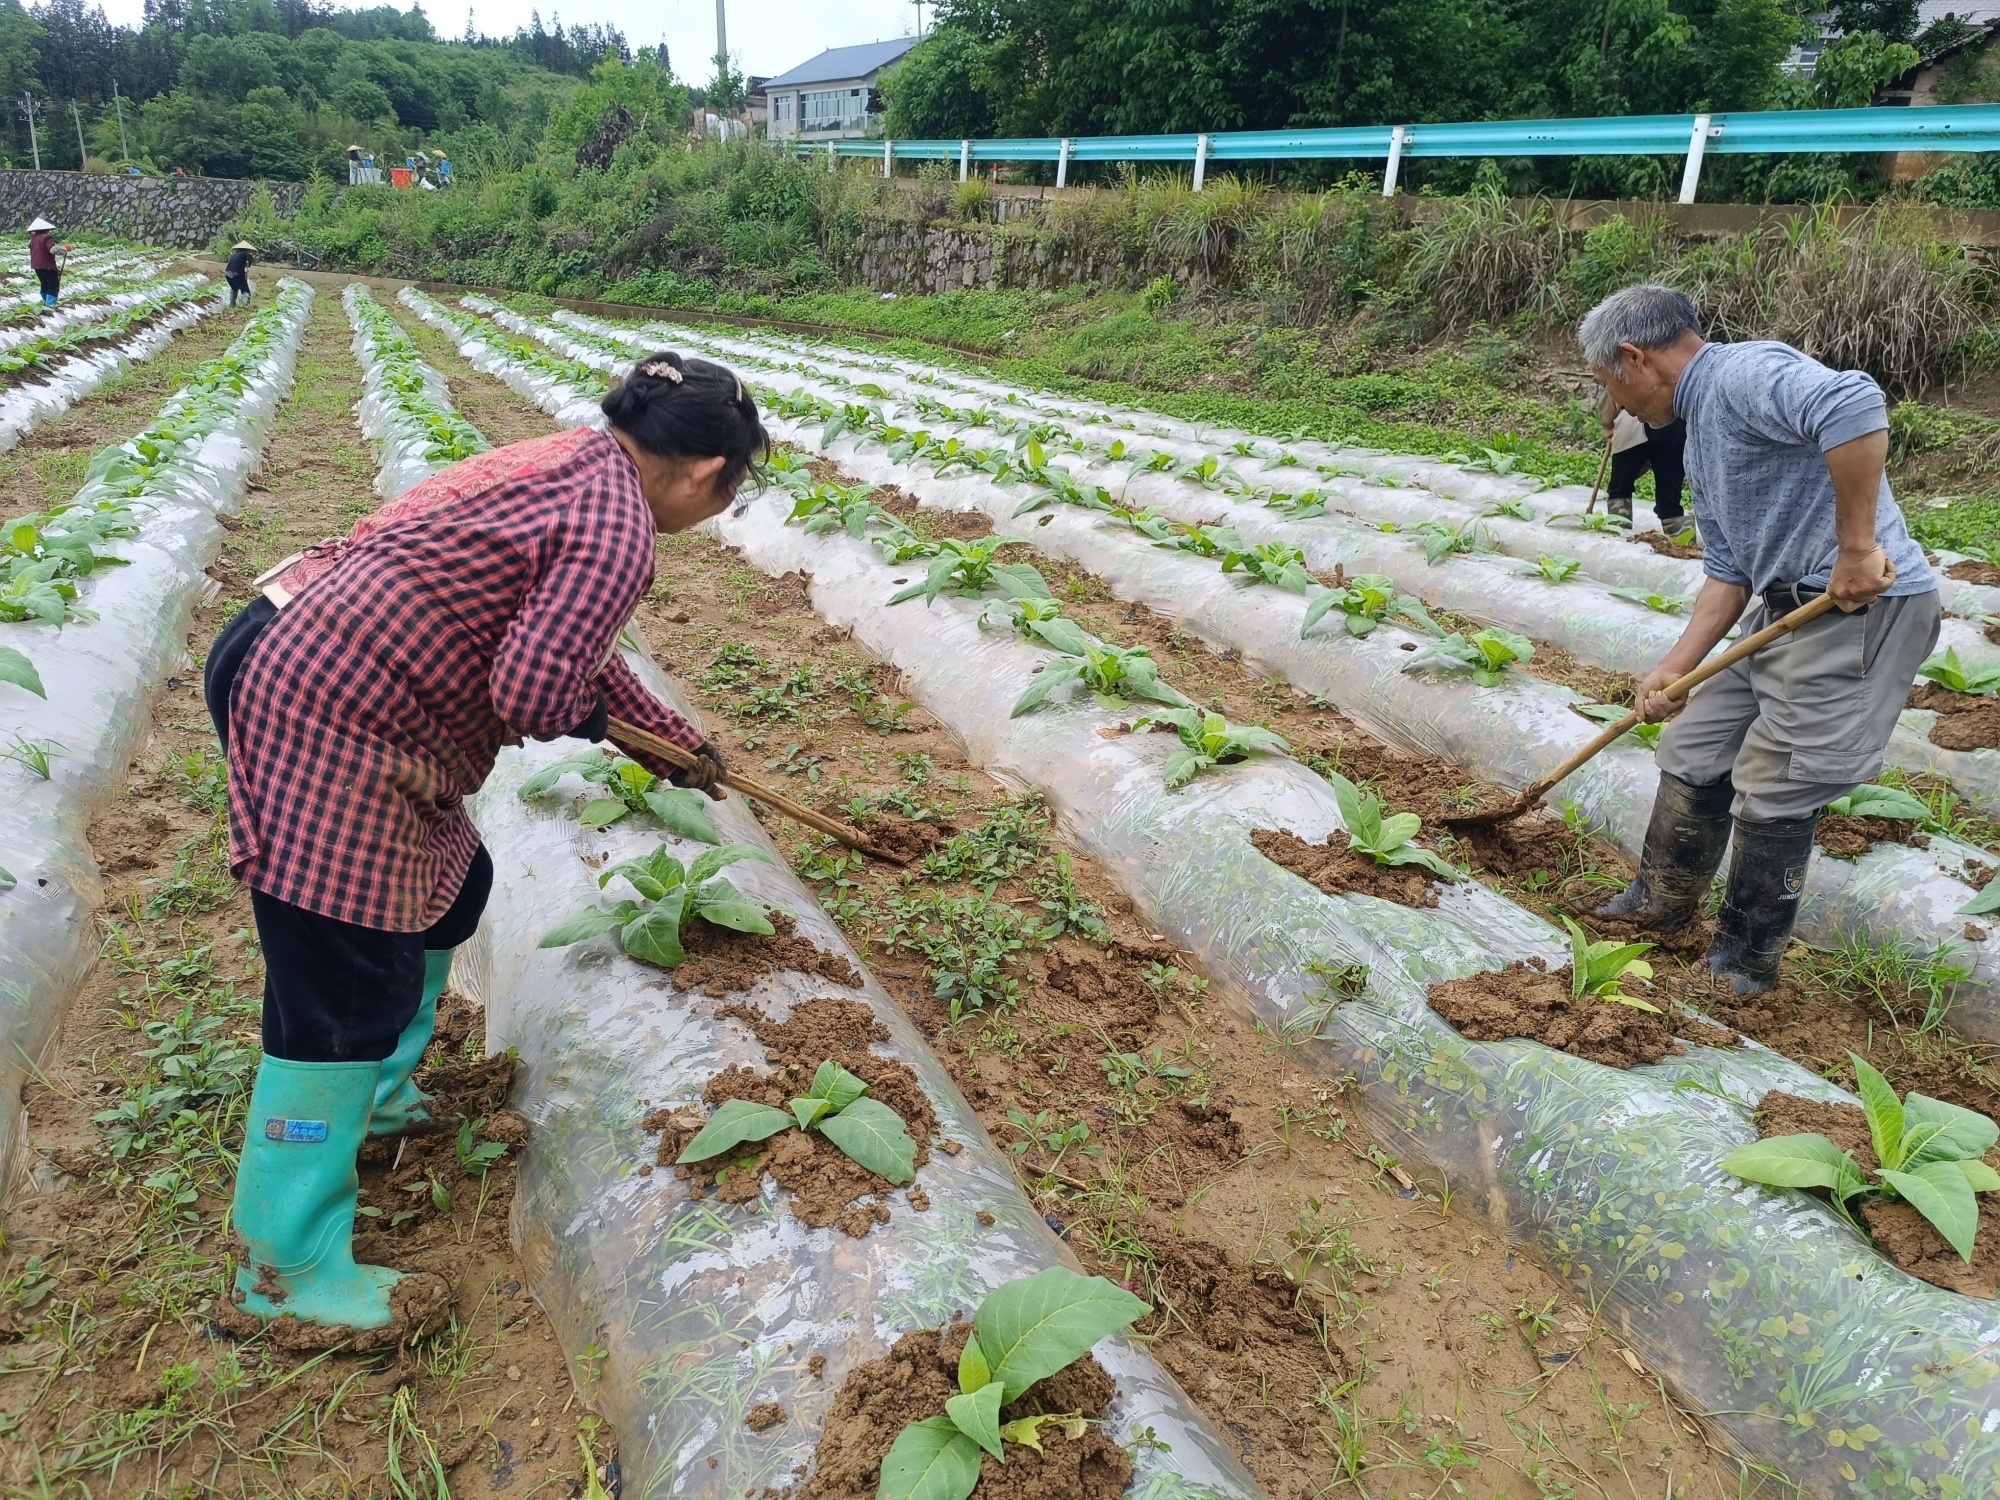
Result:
pixel 360 701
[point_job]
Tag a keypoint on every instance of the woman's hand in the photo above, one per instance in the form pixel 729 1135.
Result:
pixel 707 772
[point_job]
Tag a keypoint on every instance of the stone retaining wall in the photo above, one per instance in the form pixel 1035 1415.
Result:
pixel 179 213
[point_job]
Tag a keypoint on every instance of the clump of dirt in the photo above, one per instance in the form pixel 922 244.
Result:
pixel 1340 871
pixel 764 1416
pixel 914 1380
pixel 1110 980
pixel 418 1303
pixel 1594 684
pixel 1532 843
pixel 1527 1000
pixel 906 838
pixel 1848 838
pixel 1907 1238
pixel 1971 570
pixel 721 960
pixel 1582 900
pixel 1665 546
pixel 1196 1285
pixel 1965 721
pixel 826 1186
pixel 1846 1125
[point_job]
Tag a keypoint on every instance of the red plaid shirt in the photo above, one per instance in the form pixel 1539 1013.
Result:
pixel 483 605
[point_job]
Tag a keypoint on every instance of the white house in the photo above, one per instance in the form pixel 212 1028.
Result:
pixel 833 96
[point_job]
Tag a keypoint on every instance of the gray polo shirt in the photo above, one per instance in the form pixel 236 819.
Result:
pixel 1759 417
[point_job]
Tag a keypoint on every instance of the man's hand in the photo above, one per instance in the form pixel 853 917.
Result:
pixel 1650 696
pixel 1717 607
pixel 1859 576
pixel 706 773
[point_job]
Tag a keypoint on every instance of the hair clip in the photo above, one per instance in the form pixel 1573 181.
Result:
pixel 663 370
pixel 739 390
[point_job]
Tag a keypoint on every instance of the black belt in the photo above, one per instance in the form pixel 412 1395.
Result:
pixel 1783 598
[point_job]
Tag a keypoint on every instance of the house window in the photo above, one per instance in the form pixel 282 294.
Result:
pixel 781 109
pixel 834 109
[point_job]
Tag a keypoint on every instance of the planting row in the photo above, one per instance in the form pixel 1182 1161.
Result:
pixel 100 591
pixel 1458 698
pixel 712 1307
pixel 405 407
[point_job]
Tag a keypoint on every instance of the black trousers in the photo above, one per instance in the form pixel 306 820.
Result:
pixel 333 991
pixel 51 282
pixel 1662 452
pixel 238 283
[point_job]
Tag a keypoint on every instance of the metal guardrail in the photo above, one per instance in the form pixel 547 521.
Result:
pixel 1956 127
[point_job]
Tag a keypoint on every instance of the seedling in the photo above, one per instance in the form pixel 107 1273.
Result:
pixel 1273 563
pixel 1019 613
pixel 1515 510
pixel 1115 674
pixel 1598 969
pixel 831 507
pixel 1879 802
pixel 1384 839
pixel 1148 523
pixel 899 544
pixel 1442 539
pixel 672 896
pixel 968 569
pixel 835 1106
pixel 634 789
pixel 1024 1331
pixel 1488 653
pixel 1207 740
pixel 476 1157
pixel 1666 604
pixel 1931 1154
pixel 1552 569
pixel 1610 713
pixel 1366 600
pixel 1948 671
pixel 1599 521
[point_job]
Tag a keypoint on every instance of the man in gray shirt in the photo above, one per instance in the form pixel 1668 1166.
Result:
pixel 1785 462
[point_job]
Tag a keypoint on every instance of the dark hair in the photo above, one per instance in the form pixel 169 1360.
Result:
pixel 689 408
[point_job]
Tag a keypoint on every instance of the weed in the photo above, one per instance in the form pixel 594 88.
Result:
pixel 1536 1323
pixel 970 946
pixel 475 1156
pixel 34 755
pixel 1064 909
pixel 1008 842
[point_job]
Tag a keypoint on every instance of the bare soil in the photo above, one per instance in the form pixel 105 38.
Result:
pixel 1527 1000
pixel 1659 542
pixel 117 1368
pixel 1972 571
pixel 1339 871
pixel 1847 837
pixel 721 960
pixel 1965 721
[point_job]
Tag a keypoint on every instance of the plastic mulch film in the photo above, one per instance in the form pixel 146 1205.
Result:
pixel 1969 599
pixel 709 1308
pixel 405 408
pixel 1762 1307
pixel 101 675
pixel 559 398
pixel 75 314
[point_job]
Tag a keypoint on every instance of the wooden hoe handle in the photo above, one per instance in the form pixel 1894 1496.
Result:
pixel 667 750
pixel 1680 687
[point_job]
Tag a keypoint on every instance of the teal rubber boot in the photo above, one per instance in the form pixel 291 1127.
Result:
pixel 399 1103
pixel 295 1197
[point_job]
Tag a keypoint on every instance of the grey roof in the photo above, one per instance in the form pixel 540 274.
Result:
pixel 845 62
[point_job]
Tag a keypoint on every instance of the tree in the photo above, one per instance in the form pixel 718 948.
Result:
pixel 938 90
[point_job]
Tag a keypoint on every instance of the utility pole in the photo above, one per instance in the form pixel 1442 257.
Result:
pixel 82 151
pixel 721 38
pixel 118 104
pixel 34 145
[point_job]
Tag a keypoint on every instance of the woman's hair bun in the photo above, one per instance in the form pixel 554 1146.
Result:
pixel 689 408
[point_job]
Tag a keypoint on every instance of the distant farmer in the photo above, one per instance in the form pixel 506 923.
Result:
pixel 360 702
pixel 42 260
pixel 1635 448
pixel 237 271
pixel 1785 460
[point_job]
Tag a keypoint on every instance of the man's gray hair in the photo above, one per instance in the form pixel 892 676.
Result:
pixel 1647 316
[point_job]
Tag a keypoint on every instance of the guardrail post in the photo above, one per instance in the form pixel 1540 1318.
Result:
pixel 1062 165
pixel 1697 146
pixel 888 157
pixel 1396 139
pixel 832 160
pixel 964 159
pixel 1200 160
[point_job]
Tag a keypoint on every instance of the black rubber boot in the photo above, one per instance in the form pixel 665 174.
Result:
pixel 1767 870
pixel 1684 845
pixel 1619 505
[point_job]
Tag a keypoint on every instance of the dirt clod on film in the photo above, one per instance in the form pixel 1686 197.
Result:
pixel 1339 871
pixel 721 961
pixel 1965 721
pixel 822 1184
pixel 1971 570
pixel 1524 1000
pixel 914 1380
pixel 764 1416
pixel 1846 837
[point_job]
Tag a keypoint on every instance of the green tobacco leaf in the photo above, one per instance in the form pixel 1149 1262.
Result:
pixel 713 861
pixel 682 812
pixel 588 924
pixel 1058 673
pixel 17 669
pixel 581 762
pixel 1986 901
pixel 654 935
pixel 1980 1177
pixel 1064 635
pixel 977 1415
pixel 1033 1327
pixel 737 1121
pixel 1793 1161
pixel 721 903
pixel 930 1460
pixel 1939 1191
pixel 836 1085
pixel 873 1134
pixel 1885 1113
pixel 602 812
pixel 1958 1133
pixel 973 1371
pixel 808 1111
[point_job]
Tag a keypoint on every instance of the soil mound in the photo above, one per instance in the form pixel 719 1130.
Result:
pixel 1973 571
pixel 721 960
pixel 1340 871
pixel 1523 1000
pixel 1965 721
pixel 1847 838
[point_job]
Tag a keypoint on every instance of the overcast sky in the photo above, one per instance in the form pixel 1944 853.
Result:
pixel 766 37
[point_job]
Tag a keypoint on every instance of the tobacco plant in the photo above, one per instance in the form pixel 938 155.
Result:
pixel 1932 1156
pixel 1665 604
pixel 1598 521
pixel 835 1106
pixel 1551 569
pixel 1879 802
pixel 1024 1331
pixel 672 896
pixel 1366 600
pixel 1208 740
pixel 1115 674
pixel 633 789
pixel 1947 671
pixel 1441 539
pixel 1273 563
pixel 1203 541
pixel 1488 653
pixel 1385 837
pixel 968 569
pixel 1599 969
pixel 832 507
